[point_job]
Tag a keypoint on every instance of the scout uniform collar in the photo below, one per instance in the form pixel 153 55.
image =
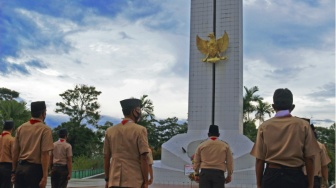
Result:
pixel 213 137
pixel 4 133
pixel 283 113
pixel 35 120
pixel 126 120
pixel 62 140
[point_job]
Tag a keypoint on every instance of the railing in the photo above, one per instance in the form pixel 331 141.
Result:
pixel 85 173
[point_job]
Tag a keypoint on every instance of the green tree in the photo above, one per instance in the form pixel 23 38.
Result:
pixel 250 130
pixel 248 100
pixel 168 128
pixel 13 110
pixel 80 104
pixel 147 108
pixel 7 94
pixel 262 109
pixel 83 140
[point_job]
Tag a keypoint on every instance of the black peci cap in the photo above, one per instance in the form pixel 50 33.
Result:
pixel 8 125
pixel 63 132
pixel 130 103
pixel 213 130
pixel 38 106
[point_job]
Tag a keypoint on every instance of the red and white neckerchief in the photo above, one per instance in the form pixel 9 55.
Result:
pixel 61 140
pixel 124 121
pixel 213 138
pixel 4 133
pixel 33 121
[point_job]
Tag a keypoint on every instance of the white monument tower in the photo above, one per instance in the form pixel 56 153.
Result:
pixel 215 96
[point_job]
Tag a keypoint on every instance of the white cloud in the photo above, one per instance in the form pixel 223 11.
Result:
pixel 124 57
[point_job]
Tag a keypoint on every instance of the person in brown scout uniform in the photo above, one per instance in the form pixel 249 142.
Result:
pixel 285 143
pixel 61 161
pixel 6 147
pixel 213 157
pixel 33 142
pixel 321 162
pixel 127 144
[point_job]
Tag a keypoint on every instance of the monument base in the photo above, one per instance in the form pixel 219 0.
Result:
pixel 177 152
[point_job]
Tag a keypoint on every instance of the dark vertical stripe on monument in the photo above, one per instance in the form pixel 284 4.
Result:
pixel 213 68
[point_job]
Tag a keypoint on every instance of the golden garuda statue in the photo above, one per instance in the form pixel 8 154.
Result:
pixel 213 48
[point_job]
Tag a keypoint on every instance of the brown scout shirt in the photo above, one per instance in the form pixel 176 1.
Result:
pixel 285 141
pixel 213 154
pixel 61 152
pixel 6 147
pixel 125 143
pixel 321 159
pixel 150 157
pixel 31 140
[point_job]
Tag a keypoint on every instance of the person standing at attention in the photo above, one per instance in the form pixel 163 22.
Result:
pixel 127 144
pixel 33 142
pixel 285 143
pixel 61 161
pixel 321 162
pixel 6 147
pixel 213 157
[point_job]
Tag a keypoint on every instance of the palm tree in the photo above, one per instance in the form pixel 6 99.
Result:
pixel 248 98
pixel 13 110
pixel 262 109
pixel 147 108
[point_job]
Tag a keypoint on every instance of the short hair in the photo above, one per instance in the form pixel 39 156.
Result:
pixel 127 111
pixel 37 114
pixel 282 99
pixel 8 125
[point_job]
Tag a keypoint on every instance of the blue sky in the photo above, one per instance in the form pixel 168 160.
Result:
pixel 130 48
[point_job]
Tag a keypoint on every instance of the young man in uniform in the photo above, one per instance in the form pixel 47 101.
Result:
pixel 285 143
pixel 6 146
pixel 321 162
pixel 33 142
pixel 127 144
pixel 213 157
pixel 61 161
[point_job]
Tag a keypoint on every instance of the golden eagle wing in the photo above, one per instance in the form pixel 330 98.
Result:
pixel 202 45
pixel 223 43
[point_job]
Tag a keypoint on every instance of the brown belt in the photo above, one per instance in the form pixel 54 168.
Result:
pixel 278 166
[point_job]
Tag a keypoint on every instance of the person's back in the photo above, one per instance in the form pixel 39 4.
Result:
pixel 30 139
pixel 61 161
pixel 279 135
pixel 214 154
pixel 127 145
pixel 285 144
pixel 31 150
pixel 124 139
pixel 212 159
pixel 6 146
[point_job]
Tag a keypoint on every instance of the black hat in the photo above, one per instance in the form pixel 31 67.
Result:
pixel 8 125
pixel 130 103
pixel 283 99
pixel 213 130
pixel 63 132
pixel 38 106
